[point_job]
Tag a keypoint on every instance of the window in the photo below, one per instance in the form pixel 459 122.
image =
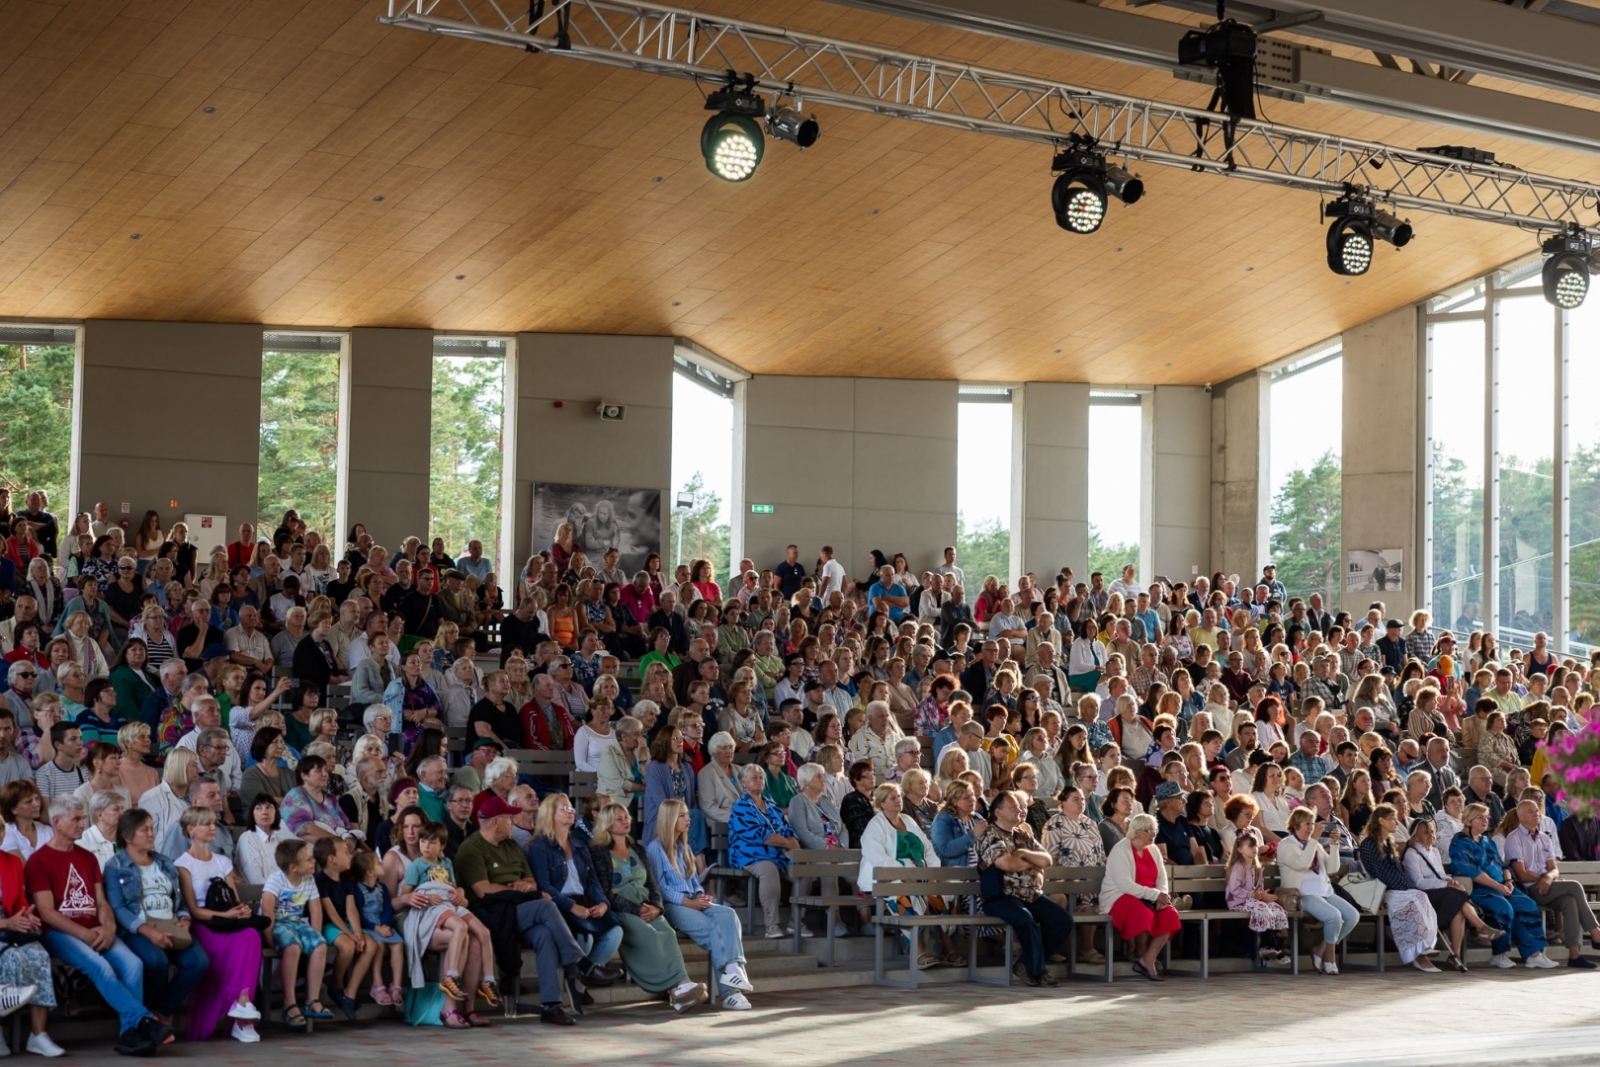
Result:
pixel 983 483
pixel 702 467
pixel 467 459
pixel 299 453
pixel 1455 465
pixel 38 371
pixel 1307 427
pixel 1583 347
pixel 1116 436
pixel 1525 337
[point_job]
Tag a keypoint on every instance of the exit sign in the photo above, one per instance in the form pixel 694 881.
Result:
pixel 761 509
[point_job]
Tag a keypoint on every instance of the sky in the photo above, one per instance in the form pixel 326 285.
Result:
pixel 1307 419
pixel 983 463
pixel 1114 481
pixel 702 440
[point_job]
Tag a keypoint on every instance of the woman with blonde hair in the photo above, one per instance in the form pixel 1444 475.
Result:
pixel 691 910
pixel 1304 865
pixel 951 766
pixel 166 802
pixel 892 839
pixel 133 773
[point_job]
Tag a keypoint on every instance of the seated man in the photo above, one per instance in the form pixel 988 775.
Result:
pixel 65 885
pixel 1012 866
pixel 1532 860
pixel 488 864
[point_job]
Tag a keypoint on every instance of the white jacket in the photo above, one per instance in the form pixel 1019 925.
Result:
pixel 1294 860
pixel 1119 878
pixel 879 843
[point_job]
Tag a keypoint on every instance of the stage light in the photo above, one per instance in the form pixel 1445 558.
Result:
pixel 1386 227
pixel 787 124
pixel 731 140
pixel 1566 272
pixel 1084 185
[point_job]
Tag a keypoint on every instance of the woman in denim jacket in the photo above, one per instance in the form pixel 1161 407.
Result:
pixel 143 889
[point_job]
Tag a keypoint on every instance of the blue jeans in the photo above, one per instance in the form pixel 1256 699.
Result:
pixel 117 973
pixel 160 994
pixel 1337 915
pixel 544 931
pixel 1517 915
pixel 717 930
pixel 599 937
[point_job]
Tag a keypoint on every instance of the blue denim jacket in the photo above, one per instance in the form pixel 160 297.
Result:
pixel 674 886
pixel 125 889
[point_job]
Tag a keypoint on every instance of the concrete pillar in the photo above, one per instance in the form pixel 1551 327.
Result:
pixel 390 417
pixel 1240 499
pixel 1054 454
pixel 136 445
pixel 1180 500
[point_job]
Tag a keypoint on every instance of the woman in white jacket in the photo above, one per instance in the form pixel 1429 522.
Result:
pixel 892 839
pixel 1134 893
pixel 1305 866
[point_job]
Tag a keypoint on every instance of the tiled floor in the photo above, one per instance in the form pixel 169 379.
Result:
pixel 1399 1018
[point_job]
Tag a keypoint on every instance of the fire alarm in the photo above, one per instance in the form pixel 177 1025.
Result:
pixel 557 404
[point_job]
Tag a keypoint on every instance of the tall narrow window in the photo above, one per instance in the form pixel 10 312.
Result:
pixel 466 451
pixel 1116 433
pixel 1583 384
pixel 1307 496
pixel 702 467
pixel 983 484
pixel 1456 399
pixel 1525 333
pixel 38 365
pixel 299 455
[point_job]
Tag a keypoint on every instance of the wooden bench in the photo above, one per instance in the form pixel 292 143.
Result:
pixel 826 868
pixel 952 883
pixel 555 765
pixel 1213 878
pixel 721 870
pixel 1068 886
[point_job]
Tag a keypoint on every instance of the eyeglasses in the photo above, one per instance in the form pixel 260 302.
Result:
pixel 28 674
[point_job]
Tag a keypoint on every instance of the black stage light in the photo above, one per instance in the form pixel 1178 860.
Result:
pixel 1083 186
pixel 731 140
pixel 1350 238
pixel 1386 227
pixel 787 124
pixel 1566 272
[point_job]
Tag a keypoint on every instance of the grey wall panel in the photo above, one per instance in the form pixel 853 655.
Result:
pixel 1181 494
pixel 788 465
pixel 814 403
pixel 390 426
pixel 1054 481
pixel 914 474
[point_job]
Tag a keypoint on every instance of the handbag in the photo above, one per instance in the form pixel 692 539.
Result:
pixel 1365 890
pixel 221 897
pixel 181 937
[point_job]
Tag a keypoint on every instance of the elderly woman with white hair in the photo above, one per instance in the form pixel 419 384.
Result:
pixel 1134 893
pixel 813 815
pixel 893 839
pixel 105 809
pixel 622 765
pixel 717 786
pixel 759 842
pixel 876 740
pixel 82 647
pixel 499 779
pixel 460 691
pixel 907 757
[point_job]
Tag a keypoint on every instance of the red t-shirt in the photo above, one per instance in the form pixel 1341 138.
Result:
pixel 70 877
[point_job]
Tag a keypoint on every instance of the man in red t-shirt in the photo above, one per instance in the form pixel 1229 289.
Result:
pixel 241 551
pixel 80 929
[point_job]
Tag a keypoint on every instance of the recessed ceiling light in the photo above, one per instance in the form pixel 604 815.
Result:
pixel 1248 269
pixel 675 303
pixel 211 111
pixel 460 277
pixel 134 236
pixel 656 178
pixel 874 211
pixel 377 198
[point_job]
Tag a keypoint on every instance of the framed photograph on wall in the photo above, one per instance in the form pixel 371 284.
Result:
pixel 1380 571
pixel 602 517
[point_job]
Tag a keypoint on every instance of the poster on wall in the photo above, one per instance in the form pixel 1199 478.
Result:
pixel 1373 571
pixel 602 517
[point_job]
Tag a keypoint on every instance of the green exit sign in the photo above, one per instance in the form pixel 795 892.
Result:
pixel 761 509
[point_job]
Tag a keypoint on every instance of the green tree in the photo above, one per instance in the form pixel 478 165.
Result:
pixel 464 471
pixel 299 439
pixel 1305 530
pixel 36 420
pixel 701 532
pixel 982 550
pixel 1107 558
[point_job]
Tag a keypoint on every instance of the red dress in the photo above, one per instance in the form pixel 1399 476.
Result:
pixel 1132 916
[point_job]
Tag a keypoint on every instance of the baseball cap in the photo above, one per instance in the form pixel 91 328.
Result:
pixel 493 807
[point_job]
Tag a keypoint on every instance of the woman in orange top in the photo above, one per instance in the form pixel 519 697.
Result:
pixel 563 619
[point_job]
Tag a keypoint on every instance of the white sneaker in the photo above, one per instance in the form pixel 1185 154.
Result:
pixel 803 932
pixel 1502 961
pixel 776 932
pixel 734 977
pixel 13 997
pixel 1541 961
pixel 735 1002
pixel 243 1031
pixel 244 1010
pixel 41 1045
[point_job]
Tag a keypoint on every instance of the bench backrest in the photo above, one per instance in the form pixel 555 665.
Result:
pixel 924 881
pixel 825 863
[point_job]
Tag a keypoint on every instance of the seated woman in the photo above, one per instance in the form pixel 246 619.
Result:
pixel 1247 891
pixel 893 839
pixel 1134 894
pixel 649 943
pixel 669 776
pixel 258 845
pixel 759 842
pixel 916 787
pixel 1036 750
pixel 1267 789
pixel 773 758
pixel 1450 901
pixel 1474 856
pixel 565 872
pixel 24 962
pixel 957 826
pixel 717 784
pixel 690 909
pixel 1239 814
pixel 153 919
pixel 1304 866
pixel 229 934
pixel 1412 919
pixel 1073 840
pixel 267 774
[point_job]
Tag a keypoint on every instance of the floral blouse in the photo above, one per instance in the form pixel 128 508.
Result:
pixel 1074 842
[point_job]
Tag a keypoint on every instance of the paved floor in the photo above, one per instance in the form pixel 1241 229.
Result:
pixel 1483 1017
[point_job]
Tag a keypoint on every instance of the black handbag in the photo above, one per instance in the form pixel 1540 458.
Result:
pixel 221 897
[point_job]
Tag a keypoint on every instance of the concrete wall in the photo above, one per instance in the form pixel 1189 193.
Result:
pixel 570 444
pixel 1052 509
pixel 1239 510
pixel 1381 485
pixel 1180 499
pixel 856 463
pixel 390 415
pixel 141 445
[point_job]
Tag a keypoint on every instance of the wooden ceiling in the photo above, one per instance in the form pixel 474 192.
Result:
pixel 294 163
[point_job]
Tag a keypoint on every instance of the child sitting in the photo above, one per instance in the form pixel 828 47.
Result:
pixel 1247 891
pixel 353 952
pixel 377 923
pixel 290 899
pixel 439 920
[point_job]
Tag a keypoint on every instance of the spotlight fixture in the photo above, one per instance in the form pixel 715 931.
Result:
pixel 788 124
pixel 731 140
pixel 1356 228
pixel 1083 184
pixel 1566 272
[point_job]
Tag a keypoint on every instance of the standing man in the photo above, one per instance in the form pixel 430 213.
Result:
pixel 790 573
pixel 949 569
pixel 832 576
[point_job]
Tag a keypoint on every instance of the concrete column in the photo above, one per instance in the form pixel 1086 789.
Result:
pixel 390 419
pixel 1055 478
pixel 1180 501
pixel 137 377
pixel 570 445
pixel 1240 508
pixel 1380 482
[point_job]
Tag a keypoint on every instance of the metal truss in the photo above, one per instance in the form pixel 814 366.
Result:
pixel 658 39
